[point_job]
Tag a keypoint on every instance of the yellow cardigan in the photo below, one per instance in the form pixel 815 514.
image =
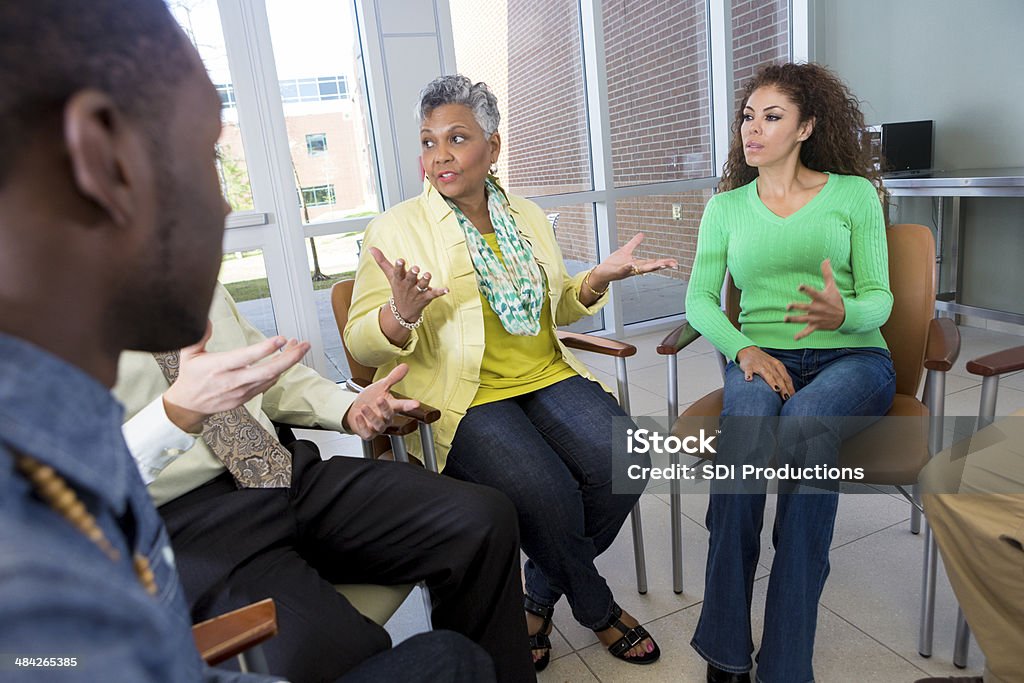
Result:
pixel 445 352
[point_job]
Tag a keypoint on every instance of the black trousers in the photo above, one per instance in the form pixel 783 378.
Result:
pixel 349 520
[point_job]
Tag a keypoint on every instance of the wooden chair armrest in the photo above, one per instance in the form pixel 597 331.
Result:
pixel 943 344
pixel 678 339
pixel 998 363
pixel 595 344
pixel 230 634
pixel 401 425
pixel 425 413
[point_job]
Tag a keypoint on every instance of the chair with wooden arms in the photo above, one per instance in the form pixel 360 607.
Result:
pixel 238 634
pixel 341 299
pixel 990 368
pixel 889 452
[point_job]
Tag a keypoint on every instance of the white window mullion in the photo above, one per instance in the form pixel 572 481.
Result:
pixel 596 84
pixel 801 30
pixel 258 165
pixel 720 60
pixel 381 125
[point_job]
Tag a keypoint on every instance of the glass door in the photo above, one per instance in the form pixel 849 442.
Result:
pixel 296 159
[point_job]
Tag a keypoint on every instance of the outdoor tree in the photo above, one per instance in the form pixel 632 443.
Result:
pixel 317 275
pixel 234 180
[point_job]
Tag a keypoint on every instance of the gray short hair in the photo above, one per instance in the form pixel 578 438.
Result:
pixel 458 89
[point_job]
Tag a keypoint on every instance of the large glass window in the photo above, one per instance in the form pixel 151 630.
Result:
pixel 244 275
pixel 529 52
pixel 658 91
pixel 332 258
pixel 319 68
pixel 669 223
pixel 654 131
pixel 317 59
pixel 200 20
pixel 576 233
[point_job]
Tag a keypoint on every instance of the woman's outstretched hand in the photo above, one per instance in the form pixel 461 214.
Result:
pixel 621 264
pixel 754 361
pixel 410 288
pixel 826 310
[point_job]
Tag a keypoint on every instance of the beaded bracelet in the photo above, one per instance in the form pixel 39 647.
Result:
pixel 402 321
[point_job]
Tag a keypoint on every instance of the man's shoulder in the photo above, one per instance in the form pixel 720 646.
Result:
pixel 61 593
pixel 33 538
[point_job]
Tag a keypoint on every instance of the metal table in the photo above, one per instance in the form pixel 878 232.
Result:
pixel 954 185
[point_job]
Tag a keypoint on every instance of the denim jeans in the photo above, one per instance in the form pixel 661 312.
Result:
pixel 550 451
pixel 829 384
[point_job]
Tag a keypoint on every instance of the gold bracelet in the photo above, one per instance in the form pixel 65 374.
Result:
pixel 586 282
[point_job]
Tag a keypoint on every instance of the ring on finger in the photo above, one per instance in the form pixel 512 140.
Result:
pixel 421 290
pixel 636 271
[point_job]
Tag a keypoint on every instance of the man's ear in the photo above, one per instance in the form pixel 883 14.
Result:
pixel 104 152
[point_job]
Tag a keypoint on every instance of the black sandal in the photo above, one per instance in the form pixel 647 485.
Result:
pixel 540 640
pixel 631 637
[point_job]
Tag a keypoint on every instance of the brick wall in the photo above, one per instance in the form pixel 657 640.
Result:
pixel 658 93
pixel 760 35
pixel 575 232
pixel 549 146
pixel 658 97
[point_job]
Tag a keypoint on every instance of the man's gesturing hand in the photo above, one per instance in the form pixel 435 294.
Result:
pixel 211 382
pixel 371 412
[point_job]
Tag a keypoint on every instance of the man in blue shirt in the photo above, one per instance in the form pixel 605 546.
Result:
pixel 111 222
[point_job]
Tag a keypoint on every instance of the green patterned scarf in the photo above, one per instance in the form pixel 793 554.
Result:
pixel 514 290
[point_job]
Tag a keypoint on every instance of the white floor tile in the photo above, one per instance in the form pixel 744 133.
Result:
pixel 867 626
pixel 568 669
pixel 875 585
pixel 966 402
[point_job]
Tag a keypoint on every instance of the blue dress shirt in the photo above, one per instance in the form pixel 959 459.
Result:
pixel 60 595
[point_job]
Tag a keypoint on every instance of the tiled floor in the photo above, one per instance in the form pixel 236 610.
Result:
pixel 867 625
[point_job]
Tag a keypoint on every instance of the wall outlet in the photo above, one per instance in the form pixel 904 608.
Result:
pixel 677 212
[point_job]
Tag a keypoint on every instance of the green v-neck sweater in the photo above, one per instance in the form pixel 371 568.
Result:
pixel 769 257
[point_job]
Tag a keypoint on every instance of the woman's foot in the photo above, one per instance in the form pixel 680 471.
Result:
pixel 626 639
pixel 538 625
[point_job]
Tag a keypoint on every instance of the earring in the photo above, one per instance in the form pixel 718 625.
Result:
pixel 493 169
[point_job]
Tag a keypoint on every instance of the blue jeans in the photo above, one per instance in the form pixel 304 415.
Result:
pixel 550 451
pixel 829 384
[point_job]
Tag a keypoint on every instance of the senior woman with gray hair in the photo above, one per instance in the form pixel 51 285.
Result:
pixel 466 284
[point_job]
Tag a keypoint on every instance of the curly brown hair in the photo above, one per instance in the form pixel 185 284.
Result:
pixel 836 145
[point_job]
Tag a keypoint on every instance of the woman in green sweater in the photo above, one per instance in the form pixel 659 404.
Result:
pixel 800 228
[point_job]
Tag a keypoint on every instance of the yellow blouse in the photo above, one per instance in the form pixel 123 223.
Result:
pixel 514 365
pixel 445 353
